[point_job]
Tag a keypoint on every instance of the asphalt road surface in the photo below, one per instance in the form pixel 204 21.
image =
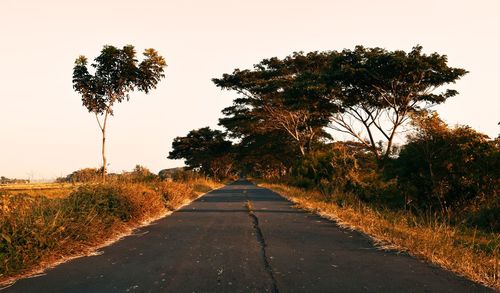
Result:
pixel 243 238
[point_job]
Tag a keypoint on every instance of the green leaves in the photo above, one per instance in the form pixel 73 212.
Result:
pixel 279 94
pixel 447 167
pixel 204 149
pixel 378 90
pixel 150 70
pixel 368 93
pixel 117 73
pixel 384 79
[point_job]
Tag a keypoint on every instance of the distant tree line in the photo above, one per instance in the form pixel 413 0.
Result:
pixel 287 113
pixel 5 180
pixel 138 174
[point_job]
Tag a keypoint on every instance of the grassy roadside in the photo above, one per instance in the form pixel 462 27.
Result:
pixel 36 231
pixel 467 252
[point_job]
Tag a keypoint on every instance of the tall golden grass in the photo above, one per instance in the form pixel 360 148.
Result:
pixel 36 231
pixel 50 190
pixel 462 250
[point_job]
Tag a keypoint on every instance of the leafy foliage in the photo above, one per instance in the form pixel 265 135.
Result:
pixel 279 95
pixel 448 168
pixel 117 73
pixel 268 155
pixel 205 149
pixel 368 93
pixel 378 90
pixel 138 174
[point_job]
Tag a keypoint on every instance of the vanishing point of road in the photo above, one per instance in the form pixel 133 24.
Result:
pixel 243 238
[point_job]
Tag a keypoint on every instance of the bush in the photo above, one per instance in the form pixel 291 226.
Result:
pixel 340 167
pixel 447 169
pixel 183 175
pixel 84 175
pixel 486 218
pixel 103 200
pixel 174 193
pixel 31 228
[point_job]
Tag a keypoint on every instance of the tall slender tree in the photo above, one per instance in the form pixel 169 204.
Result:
pixel 116 73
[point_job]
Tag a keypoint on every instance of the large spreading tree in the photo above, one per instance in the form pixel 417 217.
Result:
pixel 377 91
pixel 116 73
pixel 368 93
pixel 279 94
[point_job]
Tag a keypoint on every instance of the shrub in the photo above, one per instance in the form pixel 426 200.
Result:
pixel 183 175
pixel 82 175
pixel 340 167
pixel 448 169
pixel 174 193
pixel 141 174
pixel 33 228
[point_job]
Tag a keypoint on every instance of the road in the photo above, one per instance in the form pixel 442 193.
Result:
pixel 243 238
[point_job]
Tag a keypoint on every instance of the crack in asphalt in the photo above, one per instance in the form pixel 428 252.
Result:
pixel 261 241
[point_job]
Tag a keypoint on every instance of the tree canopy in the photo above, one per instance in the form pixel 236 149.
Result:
pixel 117 73
pixel 367 93
pixel 377 90
pixel 279 94
pixel 204 149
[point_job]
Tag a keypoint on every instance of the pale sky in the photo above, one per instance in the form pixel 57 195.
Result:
pixel 45 132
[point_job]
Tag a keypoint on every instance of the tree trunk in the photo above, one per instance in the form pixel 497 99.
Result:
pixel 103 149
pixel 104 155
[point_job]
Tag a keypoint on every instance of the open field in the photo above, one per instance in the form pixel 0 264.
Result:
pixel 49 190
pixel 465 251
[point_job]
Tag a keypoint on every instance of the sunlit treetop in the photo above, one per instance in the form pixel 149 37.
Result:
pixel 117 72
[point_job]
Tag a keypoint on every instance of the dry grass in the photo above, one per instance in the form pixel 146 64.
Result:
pixel 50 190
pixel 464 251
pixel 36 232
pixel 175 192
